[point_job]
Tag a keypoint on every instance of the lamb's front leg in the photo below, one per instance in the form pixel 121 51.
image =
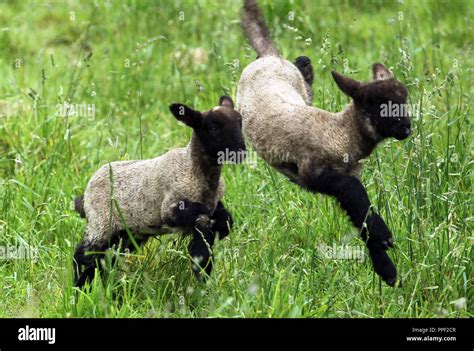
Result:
pixel 222 221
pixel 196 217
pixel 200 247
pixel 84 264
pixel 353 198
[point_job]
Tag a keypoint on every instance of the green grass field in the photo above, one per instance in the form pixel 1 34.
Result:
pixel 128 60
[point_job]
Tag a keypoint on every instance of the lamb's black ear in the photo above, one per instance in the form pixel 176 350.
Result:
pixel 186 115
pixel 380 72
pixel 348 85
pixel 226 101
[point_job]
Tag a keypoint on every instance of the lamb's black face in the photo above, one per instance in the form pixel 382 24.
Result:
pixel 220 133
pixel 385 102
pixel 219 130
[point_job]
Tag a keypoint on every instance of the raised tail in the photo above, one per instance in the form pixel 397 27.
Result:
pixel 256 30
pixel 79 206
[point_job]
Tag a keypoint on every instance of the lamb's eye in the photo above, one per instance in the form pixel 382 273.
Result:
pixel 213 130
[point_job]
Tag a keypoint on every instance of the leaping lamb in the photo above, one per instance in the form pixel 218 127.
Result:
pixel 317 149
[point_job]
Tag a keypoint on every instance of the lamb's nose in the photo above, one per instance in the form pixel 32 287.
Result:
pixel 407 131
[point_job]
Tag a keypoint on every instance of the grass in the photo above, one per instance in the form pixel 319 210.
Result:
pixel 131 59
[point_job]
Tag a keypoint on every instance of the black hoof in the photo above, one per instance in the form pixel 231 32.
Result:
pixel 383 266
pixel 391 281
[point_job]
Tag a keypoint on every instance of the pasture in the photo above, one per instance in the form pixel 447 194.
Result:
pixel 84 83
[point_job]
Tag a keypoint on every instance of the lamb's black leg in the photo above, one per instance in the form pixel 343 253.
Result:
pixel 200 248
pixel 353 198
pixel 85 261
pixel 195 216
pixel 85 264
pixel 185 214
pixel 222 221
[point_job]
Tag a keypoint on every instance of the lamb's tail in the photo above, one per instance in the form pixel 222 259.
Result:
pixel 79 206
pixel 256 30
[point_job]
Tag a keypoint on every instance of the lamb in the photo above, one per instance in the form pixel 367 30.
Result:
pixel 316 149
pixel 179 191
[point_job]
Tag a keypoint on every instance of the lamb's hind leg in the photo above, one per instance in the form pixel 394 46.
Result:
pixel 90 252
pixel 195 216
pixel 353 198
